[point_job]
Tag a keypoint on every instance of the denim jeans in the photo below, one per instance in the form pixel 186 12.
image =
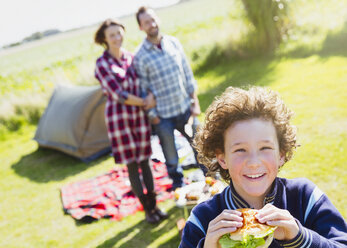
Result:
pixel 165 131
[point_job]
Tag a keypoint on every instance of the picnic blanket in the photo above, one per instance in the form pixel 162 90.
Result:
pixel 110 195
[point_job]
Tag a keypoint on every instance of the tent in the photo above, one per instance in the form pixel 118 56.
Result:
pixel 74 122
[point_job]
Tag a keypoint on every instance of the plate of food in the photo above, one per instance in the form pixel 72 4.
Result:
pixel 197 192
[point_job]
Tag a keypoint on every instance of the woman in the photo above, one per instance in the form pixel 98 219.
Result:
pixel 128 126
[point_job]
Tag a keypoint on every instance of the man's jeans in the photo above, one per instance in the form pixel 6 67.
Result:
pixel 165 131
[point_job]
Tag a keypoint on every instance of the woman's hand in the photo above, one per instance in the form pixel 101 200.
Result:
pixel 228 221
pixel 287 228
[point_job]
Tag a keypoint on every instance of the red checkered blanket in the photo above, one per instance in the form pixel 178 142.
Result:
pixel 110 195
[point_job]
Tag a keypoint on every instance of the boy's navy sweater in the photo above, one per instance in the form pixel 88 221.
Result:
pixel 320 223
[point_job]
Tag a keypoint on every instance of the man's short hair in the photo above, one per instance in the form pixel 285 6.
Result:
pixel 140 11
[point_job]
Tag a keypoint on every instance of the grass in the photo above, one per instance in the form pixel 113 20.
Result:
pixel 68 58
pixel 310 74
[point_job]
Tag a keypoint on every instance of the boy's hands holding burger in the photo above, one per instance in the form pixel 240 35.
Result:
pixel 250 228
pixel 227 222
pixel 287 228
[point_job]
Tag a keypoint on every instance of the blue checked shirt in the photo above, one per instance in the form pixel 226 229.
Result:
pixel 167 74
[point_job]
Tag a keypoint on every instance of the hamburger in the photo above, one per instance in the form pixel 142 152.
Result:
pixel 252 234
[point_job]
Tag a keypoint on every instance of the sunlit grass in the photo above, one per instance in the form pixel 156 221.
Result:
pixel 320 118
pixel 313 83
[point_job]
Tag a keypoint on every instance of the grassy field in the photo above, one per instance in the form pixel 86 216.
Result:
pixel 29 74
pixel 309 72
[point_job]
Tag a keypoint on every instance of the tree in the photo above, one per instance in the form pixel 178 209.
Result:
pixel 269 19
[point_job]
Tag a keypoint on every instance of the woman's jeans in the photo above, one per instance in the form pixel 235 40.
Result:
pixel 165 131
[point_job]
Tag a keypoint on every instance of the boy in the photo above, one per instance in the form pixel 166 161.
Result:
pixel 247 138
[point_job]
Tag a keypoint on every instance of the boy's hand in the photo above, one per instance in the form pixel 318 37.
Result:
pixel 228 221
pixel 287 228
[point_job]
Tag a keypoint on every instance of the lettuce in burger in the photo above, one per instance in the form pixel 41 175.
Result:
pixel 252 234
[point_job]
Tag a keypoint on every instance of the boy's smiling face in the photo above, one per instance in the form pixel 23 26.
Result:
pixel 252 157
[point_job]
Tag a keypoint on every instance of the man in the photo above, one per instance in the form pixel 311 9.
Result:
pixel 164 70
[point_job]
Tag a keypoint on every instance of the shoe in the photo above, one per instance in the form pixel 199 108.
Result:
pixel 151 216
pixel 162 215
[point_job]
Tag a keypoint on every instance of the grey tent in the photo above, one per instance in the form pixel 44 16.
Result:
pixel 74 122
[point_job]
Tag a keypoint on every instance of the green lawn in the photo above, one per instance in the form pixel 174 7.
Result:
pixel 311 78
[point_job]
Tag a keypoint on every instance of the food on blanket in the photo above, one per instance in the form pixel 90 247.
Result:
pixel 252 234
pixel 206 189
pixel 209 186
pixel 193 195
pixel 197 192
pixel 177 193
pixel 210 181
pixel 214 190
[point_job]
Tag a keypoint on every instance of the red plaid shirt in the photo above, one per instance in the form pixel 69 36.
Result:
pixel 128 126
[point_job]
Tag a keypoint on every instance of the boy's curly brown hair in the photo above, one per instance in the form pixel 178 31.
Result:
pixel 237 104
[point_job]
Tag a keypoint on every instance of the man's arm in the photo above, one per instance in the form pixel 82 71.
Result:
pixel 191 85
pixel 142 73
pixel 195 105
pixel 190 82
